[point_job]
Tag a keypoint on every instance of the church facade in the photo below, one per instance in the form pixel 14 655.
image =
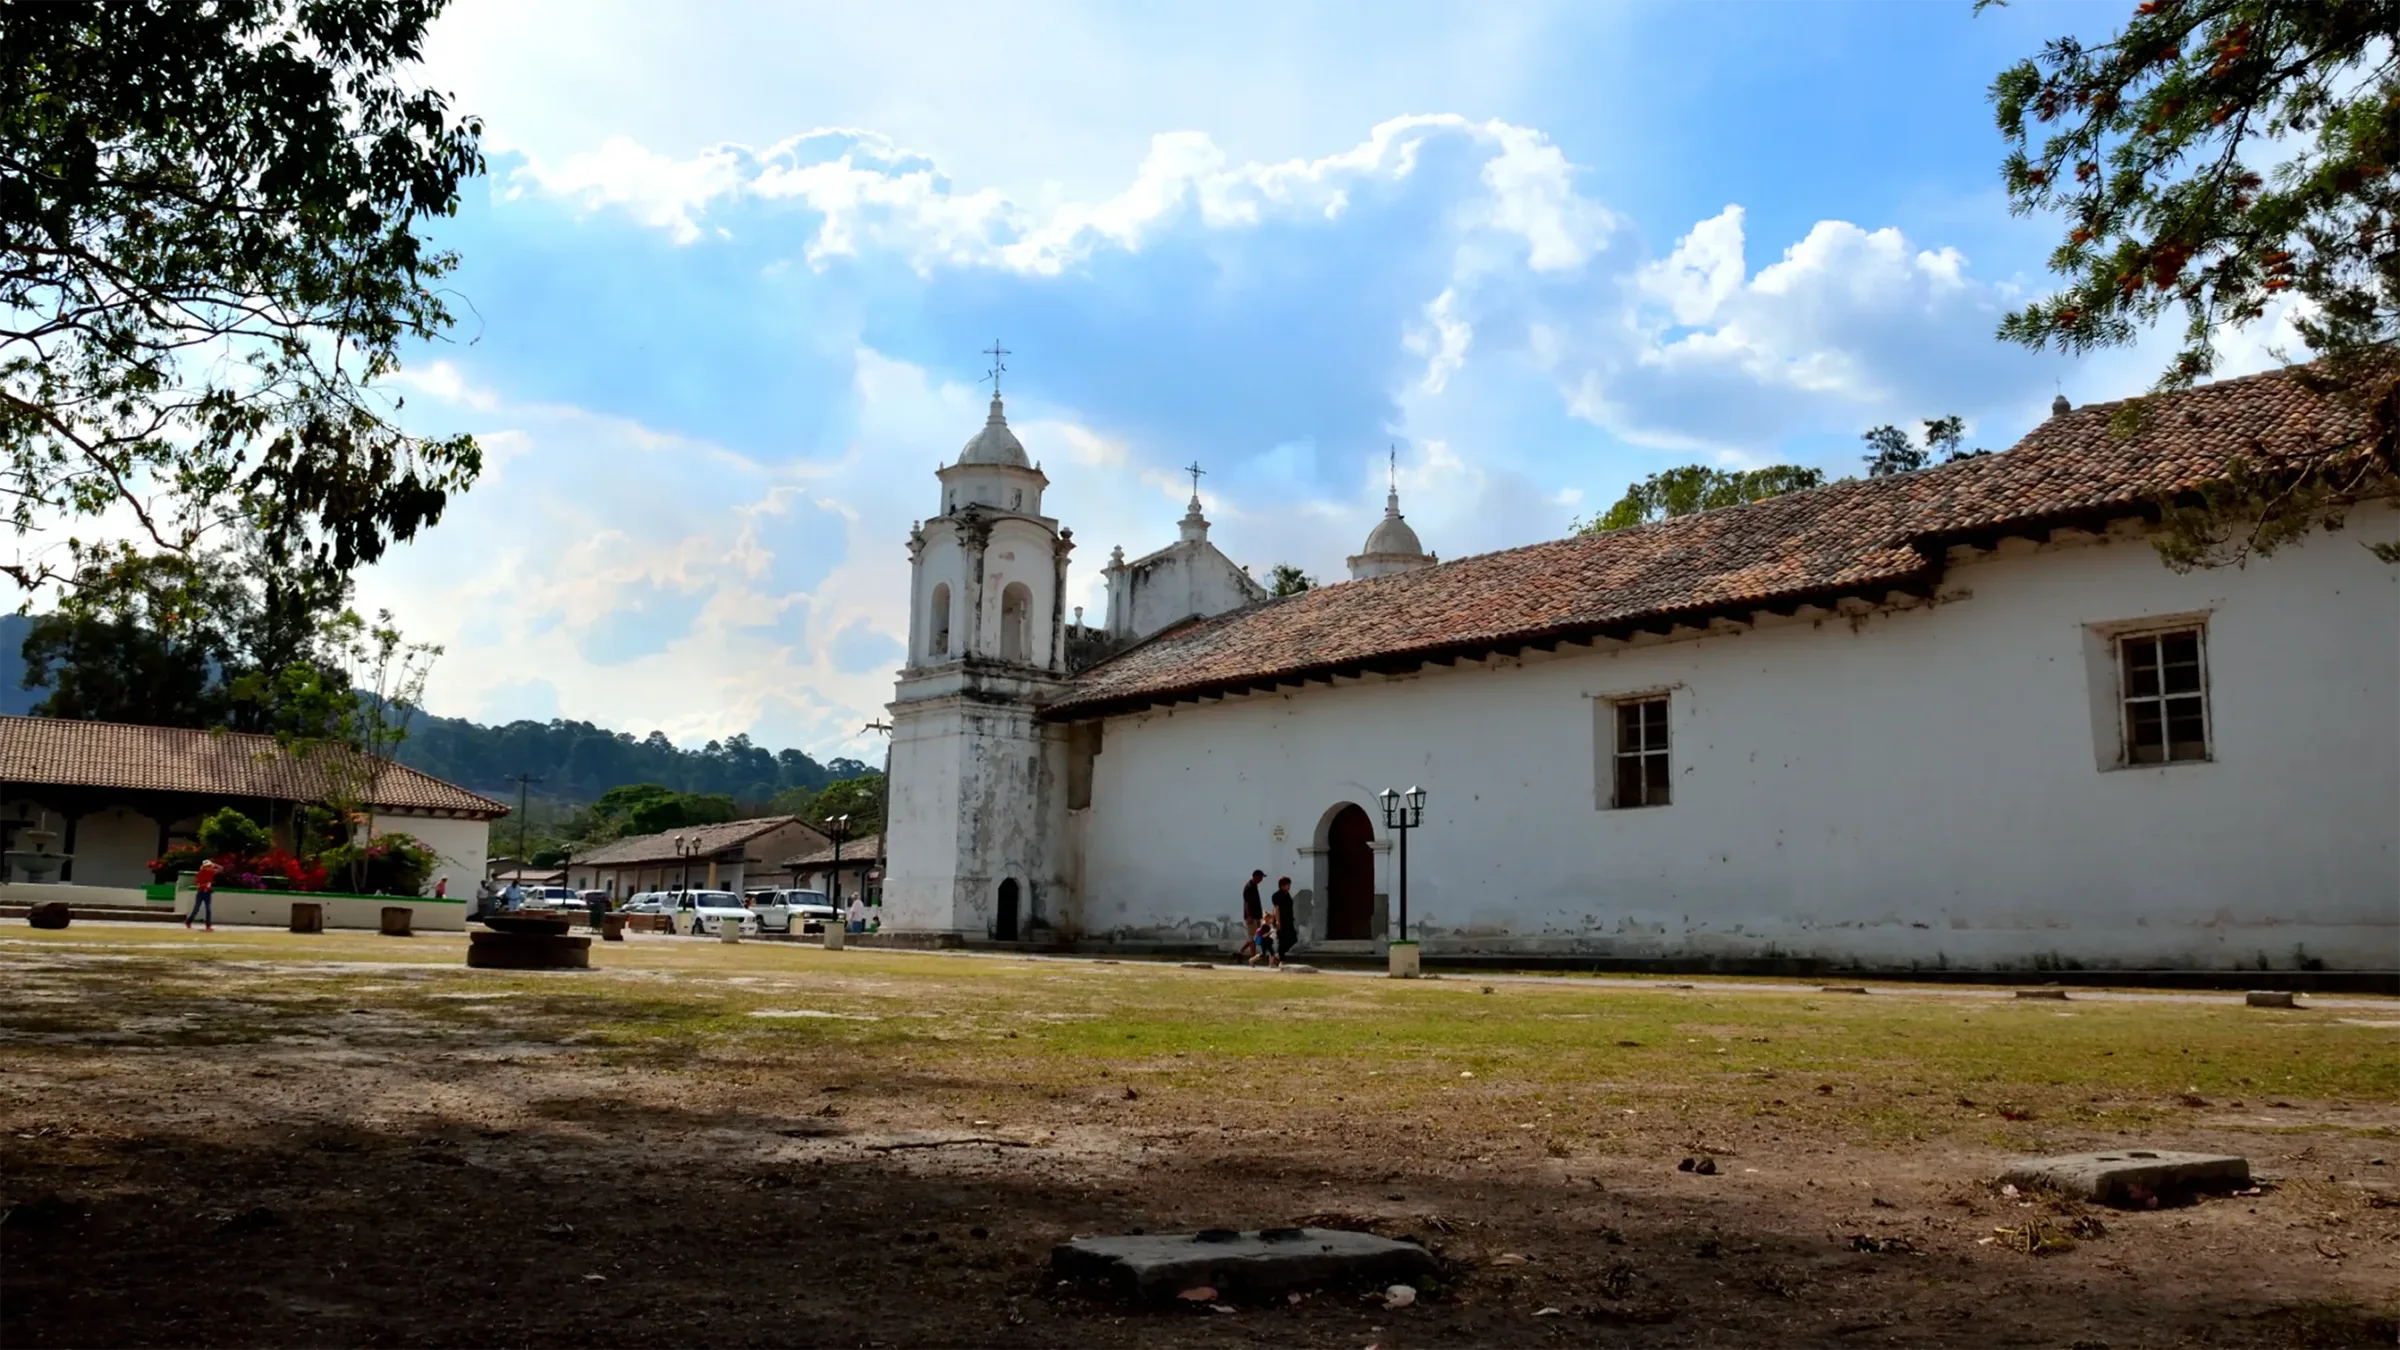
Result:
pixel 1960 717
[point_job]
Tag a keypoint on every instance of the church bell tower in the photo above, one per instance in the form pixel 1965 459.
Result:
pixel 977 802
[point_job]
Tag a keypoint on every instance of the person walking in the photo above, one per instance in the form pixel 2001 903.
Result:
pixel 513 899
pixel 204 896
pixel 858 914
pixel 1250 912
pixel 1262 944
pixel 1287 932
pixel 484 891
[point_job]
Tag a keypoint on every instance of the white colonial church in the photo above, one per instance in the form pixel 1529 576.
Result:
pixel 1962 717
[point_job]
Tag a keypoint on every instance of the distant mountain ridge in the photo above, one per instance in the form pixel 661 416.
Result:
pixel 575 761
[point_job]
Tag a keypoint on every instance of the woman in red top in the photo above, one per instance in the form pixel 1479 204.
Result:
pixel 204 895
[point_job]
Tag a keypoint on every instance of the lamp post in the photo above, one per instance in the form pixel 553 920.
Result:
pixel 1402 812
pixel 840 825
pixel 685 847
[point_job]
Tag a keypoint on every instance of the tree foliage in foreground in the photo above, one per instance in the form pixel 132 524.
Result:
pixel 208 257
pixel 2156 147
pixel 1697 487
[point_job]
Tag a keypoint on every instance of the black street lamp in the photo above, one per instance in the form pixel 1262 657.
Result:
pixel 841 831
pixel 1402 812
pixel 686 848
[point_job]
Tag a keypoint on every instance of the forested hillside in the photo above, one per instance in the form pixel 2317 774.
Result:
pixel 577 761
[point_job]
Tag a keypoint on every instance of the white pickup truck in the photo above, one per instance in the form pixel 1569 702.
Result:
pixel 790 910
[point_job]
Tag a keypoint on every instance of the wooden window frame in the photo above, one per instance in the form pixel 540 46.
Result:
pixel 2156 635
pixel 1652 788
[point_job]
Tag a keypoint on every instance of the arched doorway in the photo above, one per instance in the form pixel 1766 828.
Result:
pixel 1004 928
pixel 1349 875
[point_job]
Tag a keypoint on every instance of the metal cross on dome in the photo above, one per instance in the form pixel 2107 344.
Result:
pixel 996 352
pixel 1195 471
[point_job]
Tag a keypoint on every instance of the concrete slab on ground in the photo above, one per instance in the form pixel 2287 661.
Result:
pixel 1239 1264
pixel 2130 1176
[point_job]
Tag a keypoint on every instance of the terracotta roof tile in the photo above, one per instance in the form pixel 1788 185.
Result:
pixel 865 848
pixel 51 750
pixel 1867 534
pixel 703 839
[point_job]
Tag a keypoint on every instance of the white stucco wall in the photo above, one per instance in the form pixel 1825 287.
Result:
pixel 1186 578
pixel 463 844
pixel 113 847
pixel 1920 786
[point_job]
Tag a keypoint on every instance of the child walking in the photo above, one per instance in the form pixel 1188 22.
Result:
pixel 1264 941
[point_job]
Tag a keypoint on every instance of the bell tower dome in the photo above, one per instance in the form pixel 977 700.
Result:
pixel 1392 546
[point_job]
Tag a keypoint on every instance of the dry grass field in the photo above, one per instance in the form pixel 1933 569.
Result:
pixel 263 1138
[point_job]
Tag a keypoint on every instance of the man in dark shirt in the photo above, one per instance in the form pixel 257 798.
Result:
pixel 1251 912
pixel 1286 933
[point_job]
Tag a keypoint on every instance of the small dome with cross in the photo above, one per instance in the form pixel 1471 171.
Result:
pixel 995 444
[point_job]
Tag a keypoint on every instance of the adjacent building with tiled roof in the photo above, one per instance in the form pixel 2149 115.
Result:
pixel 725 856
pixel 109 796
pixel 1959 717
pixel 859 868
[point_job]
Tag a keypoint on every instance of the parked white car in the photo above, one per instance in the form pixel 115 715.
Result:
pixel 779 910
pixel 709 911
pixel 553 898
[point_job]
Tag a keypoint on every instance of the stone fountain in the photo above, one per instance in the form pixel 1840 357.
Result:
pixel 32 861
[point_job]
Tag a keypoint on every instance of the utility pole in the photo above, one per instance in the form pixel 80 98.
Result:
pixel 524 782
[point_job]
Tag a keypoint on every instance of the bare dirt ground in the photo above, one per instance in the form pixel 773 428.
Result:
pixel 271 1139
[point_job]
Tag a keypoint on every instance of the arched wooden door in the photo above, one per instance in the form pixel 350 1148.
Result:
pixel 1006 928
pixel 1350 875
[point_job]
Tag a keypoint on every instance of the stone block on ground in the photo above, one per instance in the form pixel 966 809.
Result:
pixel 612 928
pixel 308 916
pixel 2059 994
pixel 398 921
pixel 50 914
pixel 528 951
pixel 2272 998
pixel 1241 1265
pixel 2131 1176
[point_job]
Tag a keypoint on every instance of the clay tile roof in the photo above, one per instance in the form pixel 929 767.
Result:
pixel 704 840
pixel 864 849
pixel 1863 536
pixel 59 751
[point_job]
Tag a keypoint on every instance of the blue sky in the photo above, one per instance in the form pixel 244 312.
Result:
pixel 724 289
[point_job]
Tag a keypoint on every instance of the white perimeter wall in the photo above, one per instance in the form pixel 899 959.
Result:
pixel 1920 787
pixel 463 844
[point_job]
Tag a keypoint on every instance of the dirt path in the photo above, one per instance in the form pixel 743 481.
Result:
pixel 404 1154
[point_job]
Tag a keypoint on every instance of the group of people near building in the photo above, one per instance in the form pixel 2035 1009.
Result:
pixel 1270 932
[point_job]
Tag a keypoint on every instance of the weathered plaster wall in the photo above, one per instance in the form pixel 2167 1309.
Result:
pixel 977 797
pixel 1186 578
pixel 1914 787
